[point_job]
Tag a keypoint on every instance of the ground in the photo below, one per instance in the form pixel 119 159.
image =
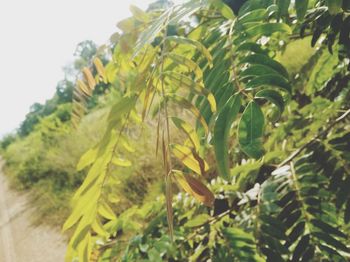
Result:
pixel 20 240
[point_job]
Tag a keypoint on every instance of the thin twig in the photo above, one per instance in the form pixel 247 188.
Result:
pixel 312 141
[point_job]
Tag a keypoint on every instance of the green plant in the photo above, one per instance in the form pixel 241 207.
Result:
pixel 221 65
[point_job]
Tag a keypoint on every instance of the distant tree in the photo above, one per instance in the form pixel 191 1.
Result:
pixel 7 140
pixel 84 53
pixel 64 91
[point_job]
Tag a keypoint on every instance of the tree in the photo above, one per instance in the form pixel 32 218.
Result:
pixel 64 91
pixel 266 155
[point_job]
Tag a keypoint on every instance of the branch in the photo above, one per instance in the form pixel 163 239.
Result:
pixel 312 141
pixel 286 161
pixel 217 218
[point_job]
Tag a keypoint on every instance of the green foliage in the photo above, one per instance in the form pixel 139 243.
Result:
pixel 223 67
pixel 7 140
pixel 263 156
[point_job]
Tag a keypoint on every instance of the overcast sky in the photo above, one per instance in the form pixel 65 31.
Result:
pixel 38 38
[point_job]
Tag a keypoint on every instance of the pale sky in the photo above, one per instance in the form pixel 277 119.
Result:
pixel 38 38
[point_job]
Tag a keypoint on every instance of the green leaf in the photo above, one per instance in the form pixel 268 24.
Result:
pixel 250 46
pixel 138 13
pixel 301 247
pixel 267 61
pixel 327 228
pixel 283 6
pixel 253 16
pixel 257 70
pixel 330 251
pixel 272 96
pixel 118 110
pixel 105 211
pixel 250 130
pixel 187 41
pixel 121 162
pixel 87 159
pixel 189 158
pixel 222 129
pixel 189 130
pixel 236 235
pixel 347 212
pixel 270 80
pixel 331 241
pixel 197 220
pixel 334 6
pixel 181 80
pixel 224 9
pixel 268 29
pixel 151 32
pixel 184 61
pixel 97 227
pixel 189 106
pixel 85 205
pixel 301 8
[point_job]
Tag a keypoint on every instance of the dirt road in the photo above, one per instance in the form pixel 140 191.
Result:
pixel 20 241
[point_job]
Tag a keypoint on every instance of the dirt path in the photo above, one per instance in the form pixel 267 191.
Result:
pixel 20 241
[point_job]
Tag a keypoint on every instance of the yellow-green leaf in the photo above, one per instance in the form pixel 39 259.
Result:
pixel 97 227
pixel 189 158
pixel 224 9
pixel 121 162
pixel 187 105
pixel 105 211
pixel 192 66
pixel 138 13
pixel 189 130
pixel 198 45
pixel 181 80
pixel 87 159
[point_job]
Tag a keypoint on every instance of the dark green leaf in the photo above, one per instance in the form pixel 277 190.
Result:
pixel 267 61
pixel 297 231
pixel 301 247
pixel 347 212
pixel 327 228
pixel 250 130
pixel 334 6
pixel 287 210
pixel 272 255
pixel 301 8
pixel 286 198
pixel 253 16
pixel 269 80
pixel 272 96
pixel 331 241
pixel 292 219
pixel 221 133
pixel 250 46
pixel 309 254
pixel 257 70
pixel 283 6
pixel 329 250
